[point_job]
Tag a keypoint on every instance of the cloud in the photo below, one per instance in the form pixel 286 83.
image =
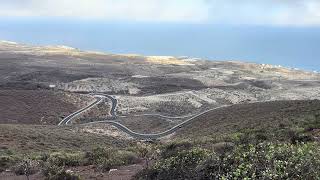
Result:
pixel 134 10
pixel 266 12
pixel 257 12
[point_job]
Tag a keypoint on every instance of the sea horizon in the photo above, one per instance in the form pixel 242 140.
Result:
pixel 293 47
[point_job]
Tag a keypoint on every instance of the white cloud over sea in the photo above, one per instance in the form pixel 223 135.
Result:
pixel 256 12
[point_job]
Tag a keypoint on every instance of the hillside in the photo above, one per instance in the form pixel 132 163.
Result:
pixel 172 86
pixel 266 117
pixel 90 112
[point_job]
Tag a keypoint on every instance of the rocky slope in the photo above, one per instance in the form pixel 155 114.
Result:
pixel 151 84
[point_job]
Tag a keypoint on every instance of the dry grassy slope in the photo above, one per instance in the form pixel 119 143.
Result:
pixel 36 138
pixel 262 115
pixel 37 106
pixel 155 84
pixel 147 124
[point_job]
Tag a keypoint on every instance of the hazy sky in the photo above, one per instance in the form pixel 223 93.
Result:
pixel 285 32
pixel 261 12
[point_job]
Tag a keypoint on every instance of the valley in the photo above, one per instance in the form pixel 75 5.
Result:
pixel 58 98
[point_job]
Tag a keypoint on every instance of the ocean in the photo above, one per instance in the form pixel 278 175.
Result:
pixel 296 47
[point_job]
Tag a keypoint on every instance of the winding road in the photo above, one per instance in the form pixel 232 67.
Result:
pixel 100 97
pixel 67 119
pixel 161 116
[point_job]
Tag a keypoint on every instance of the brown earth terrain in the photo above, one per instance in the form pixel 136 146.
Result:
pixel 40 85
pixel 37 106
pixel 256 116
pixel 147 124
pixel 87 173
pixel 37 138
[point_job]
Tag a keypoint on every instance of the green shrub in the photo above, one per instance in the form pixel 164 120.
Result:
pixel 54 172
pixel 253 161
pixel 94 156
pixel 65 175
pixel 128 157
pixel 300 138
pixel 7 161
pixel 42 156
pixel 66 159
pixel 264 161
pixel 181 166
pixel 107 164
pixel 253 136
pixel 312 122
pixel 174 148
pixel 50 170
pixel 106 158
pixel 256 136
pixel 26 167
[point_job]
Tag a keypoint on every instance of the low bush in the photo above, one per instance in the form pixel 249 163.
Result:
pixel 54 172
pixel 26 167
pixel 106 158
pixel 53 166
pixel 65 175
pixel 265 161
pixel 6 161
pixel 66 159
pixel 256 136
pixel 128 157
pixel 180 166
pixel 253 161
pixel 174 148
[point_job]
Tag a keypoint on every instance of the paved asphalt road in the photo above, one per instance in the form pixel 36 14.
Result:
pixel 101 97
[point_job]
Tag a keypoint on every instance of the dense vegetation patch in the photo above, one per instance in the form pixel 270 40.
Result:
pixel 283 151
pixel 251 161
pixel 56 165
